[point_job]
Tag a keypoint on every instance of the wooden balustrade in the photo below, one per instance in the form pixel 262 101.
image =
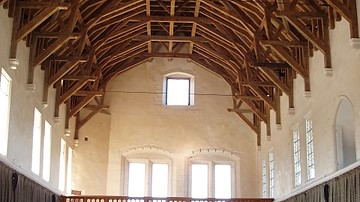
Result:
pixel 90 198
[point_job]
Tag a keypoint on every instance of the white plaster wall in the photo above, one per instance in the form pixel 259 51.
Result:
pixel 322 105
pixel 23 102
pixel 142 119
pixel 91 156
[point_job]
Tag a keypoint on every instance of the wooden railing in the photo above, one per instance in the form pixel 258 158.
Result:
pixel 90 198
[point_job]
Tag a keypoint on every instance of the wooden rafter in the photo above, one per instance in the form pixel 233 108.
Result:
pixel 257 47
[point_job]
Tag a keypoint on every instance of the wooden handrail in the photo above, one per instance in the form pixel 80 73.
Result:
pixel 98 198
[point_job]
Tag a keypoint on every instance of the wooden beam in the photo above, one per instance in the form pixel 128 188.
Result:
pixel 266 98
pixel 49 50
pixel 172 38
pixel 79 77
pixel 290 60
pixel 81 105
pixel 172 24
pixel 62 71
pixel 43 4
pixel 15 27
pixel 277 106
pixel 349 13
pixel 249 123
pixel 163 6
pixel 35 22
pixel 194 25
pixel 168 19
pixel 56 34
pixel 87 93
pixel 148 25
pixel 276 80
pixel 246 97
pixel 240 110
pixel 89 116
pixel 270 64
pixel 72 90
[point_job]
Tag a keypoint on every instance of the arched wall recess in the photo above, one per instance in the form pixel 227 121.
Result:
pixel 345 133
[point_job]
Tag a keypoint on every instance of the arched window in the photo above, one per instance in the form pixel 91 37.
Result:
pixel 147 172
pixel 345 138
pixel 212 174
pixel 179 89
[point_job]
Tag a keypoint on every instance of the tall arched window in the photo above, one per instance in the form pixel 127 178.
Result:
pixel 345 134
pixel 213 174
pixel 179 89
pixel 147 172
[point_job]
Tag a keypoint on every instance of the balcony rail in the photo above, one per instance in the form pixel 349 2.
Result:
pixel 90 198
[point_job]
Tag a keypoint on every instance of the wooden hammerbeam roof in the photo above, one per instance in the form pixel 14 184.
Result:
pixel 257 46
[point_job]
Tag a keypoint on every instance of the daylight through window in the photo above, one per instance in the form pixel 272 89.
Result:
pixel 177 91
pixel 36 151
pixel 47 152
pixel 62 168
pixel 148 179
pixel 211 180
pixel 4 111
pixel 310 150
pixel 264 179
pixel 297 164
pixel 272 174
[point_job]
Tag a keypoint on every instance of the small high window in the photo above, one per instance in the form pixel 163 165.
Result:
pixel 179 89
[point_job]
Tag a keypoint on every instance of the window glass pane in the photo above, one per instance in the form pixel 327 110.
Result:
pixel 297 164
pixel 136 180
pixel 36 151
pixel 199 181
pixel 62 165
pixel 159 180
pixel 4 111
pixel 310 150
pixel 264 179
pixel 47 151
pixel 69 172
pixel 222 181
pixel 272 174
pixel 178 92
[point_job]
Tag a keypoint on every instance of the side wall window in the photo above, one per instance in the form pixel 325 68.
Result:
pixel 297 159
pixel 47 152
pixel 271 174
pixel 264 178
pixel 310 150
pixel 5 87
pixel 62 165
pixel 36 145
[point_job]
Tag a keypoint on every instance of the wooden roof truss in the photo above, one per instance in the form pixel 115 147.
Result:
pixel 257 47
